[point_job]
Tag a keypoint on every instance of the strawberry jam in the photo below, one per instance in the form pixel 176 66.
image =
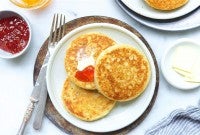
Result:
pixel 86 75
pixel 14 34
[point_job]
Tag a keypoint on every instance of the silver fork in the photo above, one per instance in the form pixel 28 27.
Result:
pixel 39 93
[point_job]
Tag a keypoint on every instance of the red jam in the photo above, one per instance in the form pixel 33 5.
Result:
pixel 86 75
pixel 14 34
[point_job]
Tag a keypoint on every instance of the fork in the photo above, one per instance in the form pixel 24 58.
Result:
pixel 39 93
pixel 59 30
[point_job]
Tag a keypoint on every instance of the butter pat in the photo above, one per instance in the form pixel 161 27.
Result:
pixel 84 60
pixel 195 75
pixel 186 62
pixel 185 58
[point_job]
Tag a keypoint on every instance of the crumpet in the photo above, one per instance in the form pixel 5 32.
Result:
pixel 166 4
pixel 81 56
pixel 121 72
pixel 84 104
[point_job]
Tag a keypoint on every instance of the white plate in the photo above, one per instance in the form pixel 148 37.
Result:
pixel 166 65
pixel 140 7
pixel 191 20
pixel 123 114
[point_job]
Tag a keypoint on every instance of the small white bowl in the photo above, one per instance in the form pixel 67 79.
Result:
pixel 166 65
pixel 9 13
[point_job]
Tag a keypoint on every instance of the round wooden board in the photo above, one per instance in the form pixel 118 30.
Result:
pixel 50 110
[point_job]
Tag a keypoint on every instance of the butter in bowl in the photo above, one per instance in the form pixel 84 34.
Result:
pixel 15 34
pixel 181 63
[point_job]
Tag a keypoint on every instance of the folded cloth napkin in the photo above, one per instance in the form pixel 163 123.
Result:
pixel 179 122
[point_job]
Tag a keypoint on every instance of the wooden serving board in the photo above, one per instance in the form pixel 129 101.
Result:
pixel 50 110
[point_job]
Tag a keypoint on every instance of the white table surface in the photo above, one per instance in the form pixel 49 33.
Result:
pixel 16 76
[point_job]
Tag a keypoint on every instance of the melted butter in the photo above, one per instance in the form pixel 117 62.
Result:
pixel 84 60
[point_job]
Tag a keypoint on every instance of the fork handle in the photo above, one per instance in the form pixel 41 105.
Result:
pixel 22 128
pixel 40 107
pixel 26 117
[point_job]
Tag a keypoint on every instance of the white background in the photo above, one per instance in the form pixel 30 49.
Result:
pixel 16 76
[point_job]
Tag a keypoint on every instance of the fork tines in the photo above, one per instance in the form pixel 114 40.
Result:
pixel 57 28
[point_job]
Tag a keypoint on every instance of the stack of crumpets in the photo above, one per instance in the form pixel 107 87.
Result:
pixel 166 4
pixel 79 95
pixel 100 73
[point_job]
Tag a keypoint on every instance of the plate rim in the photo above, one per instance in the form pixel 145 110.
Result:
pixel 62 43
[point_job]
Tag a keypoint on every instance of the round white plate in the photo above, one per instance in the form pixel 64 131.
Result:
pixel 166 65
pixel 122 114
pixel 140 7
pixel 191 20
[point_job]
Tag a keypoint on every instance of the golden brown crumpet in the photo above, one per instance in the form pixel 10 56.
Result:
pixel 81 56
pixel 84 104
pixel 122 72
pixel 166 4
